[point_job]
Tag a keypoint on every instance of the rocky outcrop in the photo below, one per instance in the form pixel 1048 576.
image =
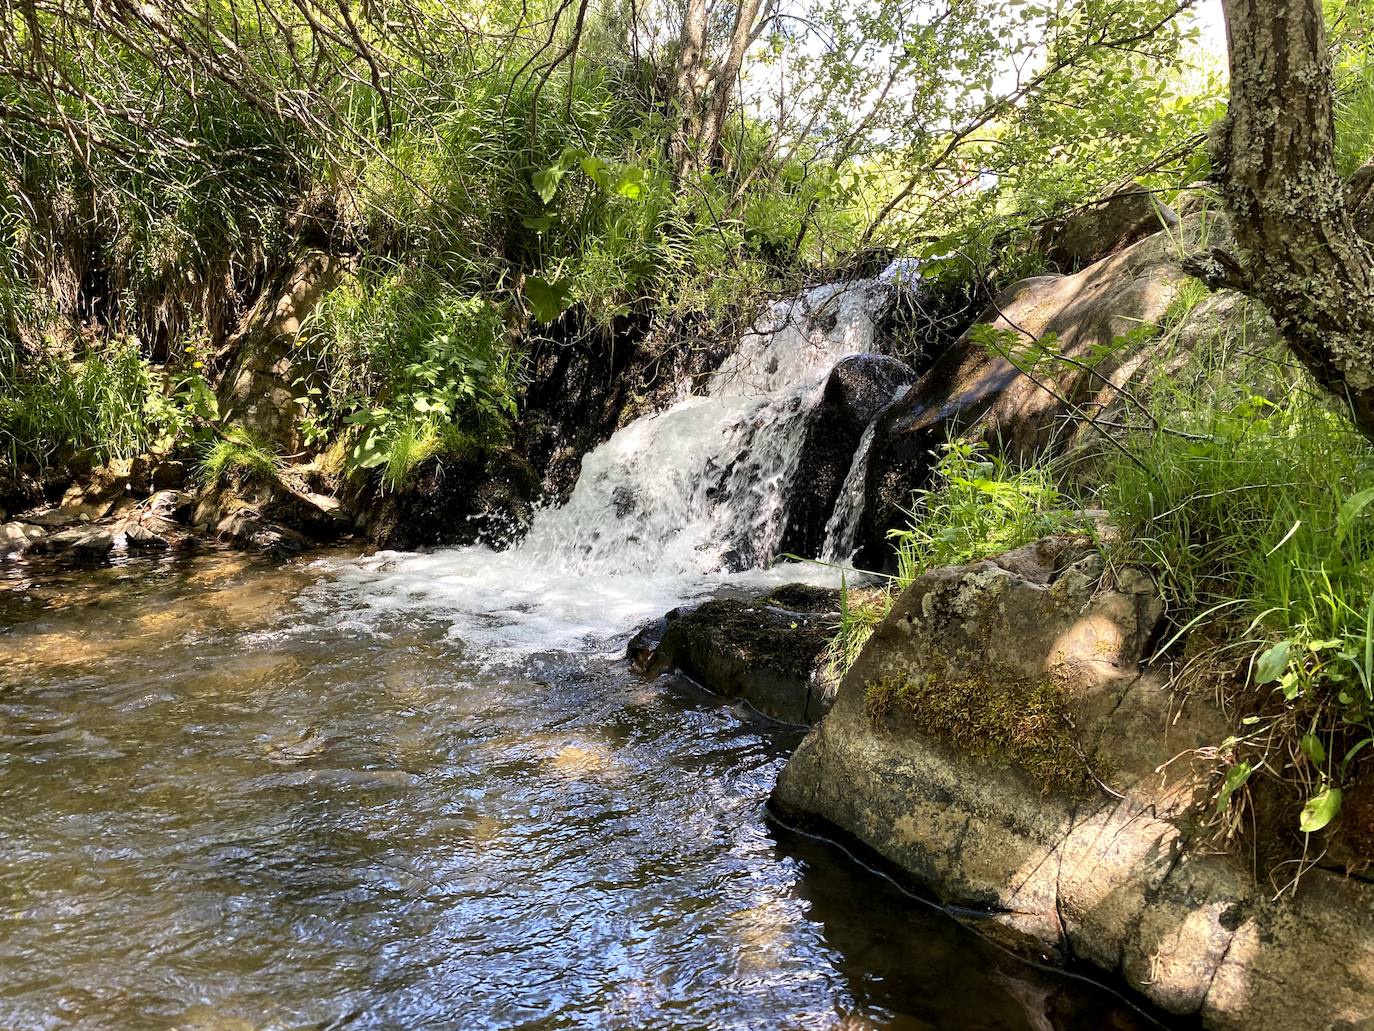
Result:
pixel 113 510
pixel 1069 344
pixel 259 388
pixel 857 389
pixel 486 497
pixel 766 652
pixel 998 741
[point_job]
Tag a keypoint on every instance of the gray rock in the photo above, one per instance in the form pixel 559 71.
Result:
pixel 1093 231
pixel 1098 859
pixel 972 391
pixel 16 538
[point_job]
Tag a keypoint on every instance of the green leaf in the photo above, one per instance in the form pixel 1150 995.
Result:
pixel 1236 776
pixel 547 300
pixel 1320 810
pixel 546 182
pixel 1350 511
pixel 1272 662
pixel 630 183
pixel 1312 747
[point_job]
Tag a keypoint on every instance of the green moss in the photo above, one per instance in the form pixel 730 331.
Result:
pixel 1027 723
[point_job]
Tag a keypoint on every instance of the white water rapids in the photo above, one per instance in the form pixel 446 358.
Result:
pixel 674 506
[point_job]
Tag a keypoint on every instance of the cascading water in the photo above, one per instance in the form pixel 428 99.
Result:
pixel 670 507
pixel 842 529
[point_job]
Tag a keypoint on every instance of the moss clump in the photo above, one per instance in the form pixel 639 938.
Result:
pixel 1028 723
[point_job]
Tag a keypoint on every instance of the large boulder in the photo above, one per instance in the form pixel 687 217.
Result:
pixel 998 741
pixel 1068 344
pixel 857 389
pixel 1086 234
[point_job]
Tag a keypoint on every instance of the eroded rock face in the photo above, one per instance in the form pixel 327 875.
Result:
pixel 259 389
pixel 1069 815
pixel 766 652
pixel 1092 318
pixel 857 389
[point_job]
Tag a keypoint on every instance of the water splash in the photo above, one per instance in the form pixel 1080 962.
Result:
pixel 673 506
pixel 842 529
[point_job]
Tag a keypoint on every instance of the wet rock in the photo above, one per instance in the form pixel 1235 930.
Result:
pixel 16 538
pixel 484 496
pixel 857 389
pixel 83 544
pixel 640 650
pixel 247 528
pixel 754 650
pixel 1070 813
pixel 1078 238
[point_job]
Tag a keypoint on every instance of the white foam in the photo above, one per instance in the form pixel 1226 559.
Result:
pixel 673 507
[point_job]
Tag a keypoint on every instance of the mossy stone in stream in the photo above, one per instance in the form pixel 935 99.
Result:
pixel 760 650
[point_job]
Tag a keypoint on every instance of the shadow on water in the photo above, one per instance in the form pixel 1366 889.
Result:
pixel 229 803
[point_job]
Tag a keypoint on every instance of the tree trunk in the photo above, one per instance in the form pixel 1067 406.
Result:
pixel 690 87
pixel 1298 251
pixel 723 80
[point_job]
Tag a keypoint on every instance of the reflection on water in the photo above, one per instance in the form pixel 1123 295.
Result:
pixel 224 809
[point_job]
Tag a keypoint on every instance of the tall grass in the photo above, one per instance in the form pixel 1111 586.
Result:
pixel 1253 505
pixel 109 403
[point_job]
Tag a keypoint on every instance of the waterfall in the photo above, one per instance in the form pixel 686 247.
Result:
pixel 673 506
pixel 703 486
pixel 842 529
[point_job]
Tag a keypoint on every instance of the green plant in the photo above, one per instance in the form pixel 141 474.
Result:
pixel 237 455
pixel 978 505
pixel 1253 505
pixel 108 403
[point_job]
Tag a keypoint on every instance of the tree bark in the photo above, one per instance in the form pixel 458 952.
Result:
pixel 1297 248
pixel 690 88
pixel 723 80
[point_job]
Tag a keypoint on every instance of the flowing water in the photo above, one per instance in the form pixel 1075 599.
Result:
pixel 422 790
pixel 227 803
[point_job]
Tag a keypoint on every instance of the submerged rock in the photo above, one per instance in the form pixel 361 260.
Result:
pixel 763 651
pixel 998 741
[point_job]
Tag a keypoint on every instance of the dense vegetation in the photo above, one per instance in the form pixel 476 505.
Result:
pixel 496 167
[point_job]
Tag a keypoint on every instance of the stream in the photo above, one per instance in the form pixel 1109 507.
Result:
pixel 425 790
pixel 233 799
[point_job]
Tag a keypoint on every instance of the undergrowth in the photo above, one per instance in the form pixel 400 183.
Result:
pixel 1252 503
pixel 237 456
